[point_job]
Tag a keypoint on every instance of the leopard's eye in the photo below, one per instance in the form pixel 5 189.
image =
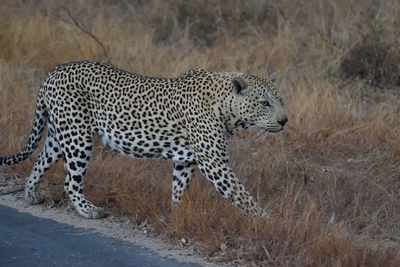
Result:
pixel 265 103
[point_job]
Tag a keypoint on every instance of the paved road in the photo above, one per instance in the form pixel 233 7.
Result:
pixel 26 240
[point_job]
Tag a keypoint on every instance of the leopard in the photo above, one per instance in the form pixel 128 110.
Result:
pixel 187 119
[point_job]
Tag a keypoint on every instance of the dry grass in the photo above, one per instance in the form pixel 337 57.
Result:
pixel 337 161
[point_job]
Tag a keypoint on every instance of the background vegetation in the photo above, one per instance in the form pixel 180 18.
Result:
pixel 331 182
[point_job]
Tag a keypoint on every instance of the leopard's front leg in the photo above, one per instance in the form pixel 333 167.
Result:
pixel 224 180
pixel 182 175
pixel 211 152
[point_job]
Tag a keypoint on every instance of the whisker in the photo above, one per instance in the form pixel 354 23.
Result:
pixel 256 136
pixel 262 135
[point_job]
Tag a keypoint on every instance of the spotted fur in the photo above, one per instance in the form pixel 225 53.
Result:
pixel 185 119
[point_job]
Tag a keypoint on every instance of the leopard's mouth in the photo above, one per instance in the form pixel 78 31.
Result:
pixel 273 131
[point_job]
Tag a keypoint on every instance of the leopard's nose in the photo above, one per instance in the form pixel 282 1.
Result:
pixel 283 122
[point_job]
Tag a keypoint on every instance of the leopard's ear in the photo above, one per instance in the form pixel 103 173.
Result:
pixel 272 77
pixel 239 85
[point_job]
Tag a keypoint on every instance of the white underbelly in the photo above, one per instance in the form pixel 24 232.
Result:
pixel 176 150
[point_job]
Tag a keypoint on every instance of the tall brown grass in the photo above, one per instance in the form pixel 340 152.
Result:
pixel 330 182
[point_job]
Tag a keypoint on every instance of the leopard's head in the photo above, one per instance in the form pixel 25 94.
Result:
pixel 258 102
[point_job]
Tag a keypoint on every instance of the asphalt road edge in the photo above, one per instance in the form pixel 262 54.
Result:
pixel 110 227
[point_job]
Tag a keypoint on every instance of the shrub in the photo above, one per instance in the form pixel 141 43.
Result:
pixel 375 57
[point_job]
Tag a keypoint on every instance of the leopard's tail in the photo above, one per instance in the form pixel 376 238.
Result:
pixel 39 123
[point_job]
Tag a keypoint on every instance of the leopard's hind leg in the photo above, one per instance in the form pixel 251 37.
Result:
pixel 49 155
pixel 76 154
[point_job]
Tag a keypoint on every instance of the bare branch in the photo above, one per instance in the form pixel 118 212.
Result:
pixel 12 191
pixel 74 22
